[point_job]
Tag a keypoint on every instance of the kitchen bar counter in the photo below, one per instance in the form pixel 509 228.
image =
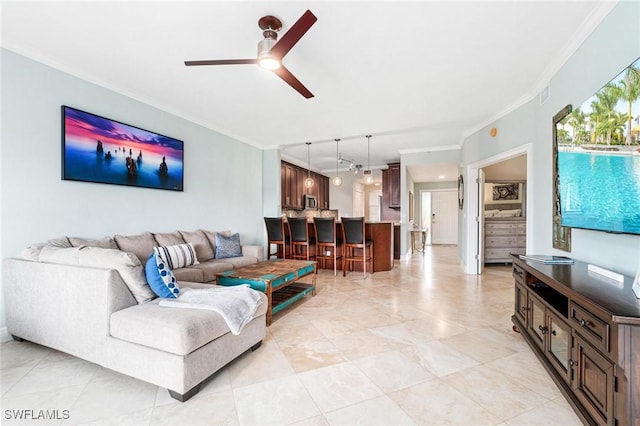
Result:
pixel 381 235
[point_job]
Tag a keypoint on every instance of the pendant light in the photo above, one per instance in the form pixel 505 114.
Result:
pixel 337 180
pixel 368 177
pixel 308 182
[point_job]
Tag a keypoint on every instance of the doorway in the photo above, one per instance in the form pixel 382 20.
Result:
pixel 439 214
pixel 473 211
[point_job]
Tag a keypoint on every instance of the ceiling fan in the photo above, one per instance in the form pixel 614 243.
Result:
pixel 271 51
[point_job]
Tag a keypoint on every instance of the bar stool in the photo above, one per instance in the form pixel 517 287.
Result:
pixel 275 235
pixel 299 238
pixel 327 245
pixel 354 240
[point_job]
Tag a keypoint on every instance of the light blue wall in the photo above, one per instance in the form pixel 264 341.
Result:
pixel 223 181
pixel 608 50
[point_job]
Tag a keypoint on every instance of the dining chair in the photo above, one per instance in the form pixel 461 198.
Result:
pixel 356 248
pixel 301 244
pixel 328 245
pixel 276 236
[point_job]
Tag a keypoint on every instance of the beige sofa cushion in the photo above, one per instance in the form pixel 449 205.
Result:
pixel 176 330
pixel 190 273
pixel 239 262
pixel 200 242
pixel 33 251
pixel 210 268
pixel 169 238
pixel 141 245
pixel 127 264
pixel 106 242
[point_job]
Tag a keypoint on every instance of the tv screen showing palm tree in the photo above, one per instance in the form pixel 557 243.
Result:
pixel 599 158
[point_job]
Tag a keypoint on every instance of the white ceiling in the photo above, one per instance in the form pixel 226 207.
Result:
pixel 416 75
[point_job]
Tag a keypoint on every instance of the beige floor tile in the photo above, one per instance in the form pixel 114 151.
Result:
pixel 136 418
pixel 338 386
pixel 495 392
pixel 439 358
pixel 276 402
pixel 548 414
pixel 54 375
pixel 266 363
pixel 392 371
pixel 216 408
pixel 477 347
pixel 112 395
pixel 436 403
pixel 363 343
pixel 310 355
pixel 379 411
pixel 26 409
pixel 21 354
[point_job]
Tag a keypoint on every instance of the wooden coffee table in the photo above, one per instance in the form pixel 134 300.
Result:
pixel 278 279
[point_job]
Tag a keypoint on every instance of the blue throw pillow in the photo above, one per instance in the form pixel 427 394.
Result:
pixel 160 278
pixel 228 246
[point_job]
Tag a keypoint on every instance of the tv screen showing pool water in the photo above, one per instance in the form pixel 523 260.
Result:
pixel 600 191
pixel 98 149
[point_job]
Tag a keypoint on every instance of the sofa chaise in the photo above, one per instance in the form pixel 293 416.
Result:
pixel 89 298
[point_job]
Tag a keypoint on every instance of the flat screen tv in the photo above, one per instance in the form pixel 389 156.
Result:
pixel 599 158
pixel 98 149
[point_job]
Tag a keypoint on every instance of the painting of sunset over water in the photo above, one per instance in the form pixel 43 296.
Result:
pixel 97 149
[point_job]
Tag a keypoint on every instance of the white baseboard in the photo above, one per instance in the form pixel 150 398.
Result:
pixel 4 335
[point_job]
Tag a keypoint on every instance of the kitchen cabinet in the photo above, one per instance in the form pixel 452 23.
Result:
pixel 293 190
pixel 394 185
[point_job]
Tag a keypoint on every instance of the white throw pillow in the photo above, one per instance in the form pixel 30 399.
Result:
pixel 177 256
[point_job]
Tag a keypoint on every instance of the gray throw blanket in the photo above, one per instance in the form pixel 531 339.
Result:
pixel 236 304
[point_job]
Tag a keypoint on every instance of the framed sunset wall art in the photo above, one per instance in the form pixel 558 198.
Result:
pixel 101 150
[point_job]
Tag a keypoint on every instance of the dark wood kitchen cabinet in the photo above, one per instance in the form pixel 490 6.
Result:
pixel 394 185
pixel 293 190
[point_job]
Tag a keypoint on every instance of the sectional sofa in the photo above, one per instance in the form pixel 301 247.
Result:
pixel 90 298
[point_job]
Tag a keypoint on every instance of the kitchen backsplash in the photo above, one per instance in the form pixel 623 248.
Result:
pixel 311 213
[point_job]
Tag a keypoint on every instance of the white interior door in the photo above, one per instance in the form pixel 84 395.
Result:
pixel 444 217
pixel 480 221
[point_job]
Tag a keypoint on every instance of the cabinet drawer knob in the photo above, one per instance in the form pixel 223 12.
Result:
pixel 585 323
pixel 573 363
pixel 524 308
pixel 553 332
pixel 542 329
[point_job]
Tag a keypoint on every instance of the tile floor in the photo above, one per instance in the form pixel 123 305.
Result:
pixel 422 344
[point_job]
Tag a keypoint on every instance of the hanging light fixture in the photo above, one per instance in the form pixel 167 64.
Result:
pixel 337 180
pixel 368 177
pixel 308 182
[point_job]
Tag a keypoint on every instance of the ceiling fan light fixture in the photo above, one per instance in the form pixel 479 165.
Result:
pixel 265 59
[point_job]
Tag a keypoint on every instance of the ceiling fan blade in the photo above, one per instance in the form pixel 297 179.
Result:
pixel 295 33
pixel 222 62
pixel 292 81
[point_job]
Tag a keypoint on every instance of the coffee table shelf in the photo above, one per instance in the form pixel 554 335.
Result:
pixel 278 279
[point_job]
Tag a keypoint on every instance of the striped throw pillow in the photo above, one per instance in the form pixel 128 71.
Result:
pixel 177 256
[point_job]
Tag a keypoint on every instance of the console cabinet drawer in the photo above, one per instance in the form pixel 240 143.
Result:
pixel 592 328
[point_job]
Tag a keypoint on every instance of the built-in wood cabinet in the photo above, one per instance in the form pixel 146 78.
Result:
pixel 293 189
pixel 586 332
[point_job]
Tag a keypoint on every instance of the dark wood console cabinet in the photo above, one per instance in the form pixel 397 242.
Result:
pixel 585 330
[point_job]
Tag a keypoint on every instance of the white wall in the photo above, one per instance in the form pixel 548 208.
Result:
pixel 608 50
pixel 223 180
